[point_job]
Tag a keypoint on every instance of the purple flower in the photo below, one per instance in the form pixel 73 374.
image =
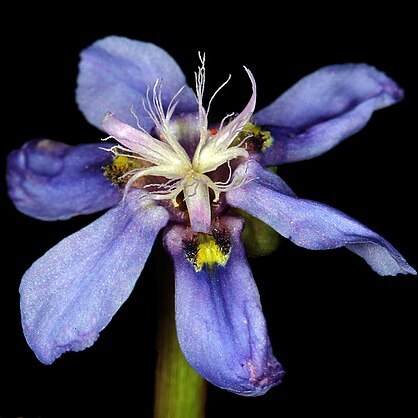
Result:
pixel 170 168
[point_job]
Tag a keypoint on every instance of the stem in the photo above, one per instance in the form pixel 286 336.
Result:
pixel 179 391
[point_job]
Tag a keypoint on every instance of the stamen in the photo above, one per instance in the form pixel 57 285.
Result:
pixel 132 110
pixel 130 173
pixel 220 183
pixel 162 185
pixel 105 139
pixel 229 115
pixel 216 92
pixel 162 120
pixel 127 152
pixel 200 88
pixel 211 155
pixel 173 103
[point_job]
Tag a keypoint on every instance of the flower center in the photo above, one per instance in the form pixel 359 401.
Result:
pixel 168 170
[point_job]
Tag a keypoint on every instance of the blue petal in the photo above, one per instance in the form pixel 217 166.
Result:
pixel 323 109
pixel 310 224
pixel 220 323
pixel 71 293
pixel 115 73
pixel 51 180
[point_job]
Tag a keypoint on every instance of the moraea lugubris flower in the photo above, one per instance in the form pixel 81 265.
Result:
pixel 169 168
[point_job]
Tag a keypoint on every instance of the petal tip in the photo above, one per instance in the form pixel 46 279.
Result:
pixel 262 382
pixel 387 84
pixel 409 270
pixel 397 92
pixel 48 355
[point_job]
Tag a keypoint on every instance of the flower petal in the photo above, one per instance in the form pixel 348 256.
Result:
pixel 323 109
pixel 220 324
pixel 71 293
pixel 115 73
pixel 312 225
pixel 50 180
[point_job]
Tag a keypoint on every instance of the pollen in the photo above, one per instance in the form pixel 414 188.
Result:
pixel 256 138
pixel 208 250
pixel 115 171
pixel 209 254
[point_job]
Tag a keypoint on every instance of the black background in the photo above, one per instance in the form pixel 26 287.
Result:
pixel 345 336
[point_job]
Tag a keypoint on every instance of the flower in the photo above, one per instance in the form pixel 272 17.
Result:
pixel 171 169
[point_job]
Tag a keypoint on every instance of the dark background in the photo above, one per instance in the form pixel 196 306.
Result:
pixel 345 336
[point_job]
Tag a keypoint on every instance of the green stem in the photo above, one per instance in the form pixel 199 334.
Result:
pixel 180 392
